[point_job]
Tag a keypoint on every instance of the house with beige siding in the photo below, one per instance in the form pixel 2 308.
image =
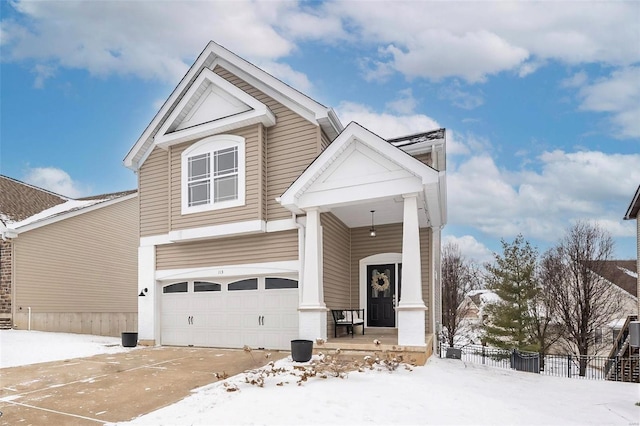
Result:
pixel 18 201
pixel 260 212
pixel 71 267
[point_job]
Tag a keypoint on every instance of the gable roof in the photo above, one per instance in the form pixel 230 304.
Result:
pixel 69 209
pixel 19 200
pixel 327 179
pixel 212 56
pixel 634 207
pixel 622 273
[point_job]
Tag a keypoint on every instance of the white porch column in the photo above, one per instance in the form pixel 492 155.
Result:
pixel 411 309
pixel 146 304
pixel 312 311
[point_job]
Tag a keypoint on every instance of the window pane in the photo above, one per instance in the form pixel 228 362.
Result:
pixel 199 193
pixel 276 283
pixel 250 284
pixel 175 288
pixel 226 161
pixel 199 167
pixel 225 188
pixel 205 286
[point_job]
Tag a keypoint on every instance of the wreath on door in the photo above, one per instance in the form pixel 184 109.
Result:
pixel 379 281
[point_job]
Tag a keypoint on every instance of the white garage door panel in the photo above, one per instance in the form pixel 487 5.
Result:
pixel 256 318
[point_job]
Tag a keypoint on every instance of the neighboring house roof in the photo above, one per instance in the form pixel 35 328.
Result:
pixel 483 297
pixel 634 207
pixel 71 208
pixel 622 273
pixel 420 142
pixel 19 200
pixel 199 83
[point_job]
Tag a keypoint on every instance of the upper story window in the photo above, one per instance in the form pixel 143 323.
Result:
pixel 213 174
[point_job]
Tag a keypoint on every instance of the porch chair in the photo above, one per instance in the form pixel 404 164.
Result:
pixel 348 318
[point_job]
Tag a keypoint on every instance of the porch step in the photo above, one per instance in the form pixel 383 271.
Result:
pixel 361 347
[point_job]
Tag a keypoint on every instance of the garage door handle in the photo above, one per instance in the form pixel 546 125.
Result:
pixel 263 320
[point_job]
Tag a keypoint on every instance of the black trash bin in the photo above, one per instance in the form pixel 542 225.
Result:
pixel 301 350
pixel 129 339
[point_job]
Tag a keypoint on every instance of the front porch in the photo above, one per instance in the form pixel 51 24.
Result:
pixel 376 341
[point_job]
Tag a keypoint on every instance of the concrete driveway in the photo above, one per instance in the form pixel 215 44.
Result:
pixel 114 387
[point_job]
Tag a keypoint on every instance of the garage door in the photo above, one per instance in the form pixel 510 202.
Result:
pixel 260 312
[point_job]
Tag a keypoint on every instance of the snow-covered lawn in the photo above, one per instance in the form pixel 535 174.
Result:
pixel 21 347
pixel 442 392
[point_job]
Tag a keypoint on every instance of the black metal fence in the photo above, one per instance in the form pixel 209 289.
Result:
pixel 593 367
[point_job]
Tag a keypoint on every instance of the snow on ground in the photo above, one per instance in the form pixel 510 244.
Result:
pixel 22 347
pixel 442 392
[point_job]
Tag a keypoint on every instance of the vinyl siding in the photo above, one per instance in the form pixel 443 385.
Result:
pixel 425 158
pixel 268 247
pixel 251 209
pixel 388 240
pixel 78 270
pixel 153 193
pixel 325 141
pixel 336 241
pixel 292 144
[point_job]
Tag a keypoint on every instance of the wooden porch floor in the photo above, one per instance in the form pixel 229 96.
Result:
pixel 375 340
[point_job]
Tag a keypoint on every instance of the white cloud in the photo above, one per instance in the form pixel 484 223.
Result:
pixel 530 67
pixel 419 39
pixel 576 80
pixel 619 95
pixel 147 39
pixel 284 72
pixel 470 248
pixel 461 98
pixel 405 104
pixel 473 40
pixel 584 185
pixel 55 180
pixel 385 125
pixel 477 56
pixel 43 72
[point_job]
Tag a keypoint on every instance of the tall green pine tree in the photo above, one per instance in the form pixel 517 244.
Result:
pixel 512 277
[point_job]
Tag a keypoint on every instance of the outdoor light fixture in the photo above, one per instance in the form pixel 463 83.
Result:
pixel 143 292
pixel 372 231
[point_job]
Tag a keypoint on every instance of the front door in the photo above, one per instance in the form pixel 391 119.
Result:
pixel 381 287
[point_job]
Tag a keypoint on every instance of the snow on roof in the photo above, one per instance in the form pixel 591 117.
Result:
pixel 617 323
pixel 483 296
pixel 65 207
pixel 633 274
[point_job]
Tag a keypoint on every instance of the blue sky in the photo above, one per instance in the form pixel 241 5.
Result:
pixel 541 101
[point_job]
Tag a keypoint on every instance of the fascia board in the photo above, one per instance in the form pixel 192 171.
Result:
pixel 216 231
pixel 63 216
pixel 157 119
pixel 285 267
pixel 634 207
pixel 338 196
pixel 215 127
pixel 442 196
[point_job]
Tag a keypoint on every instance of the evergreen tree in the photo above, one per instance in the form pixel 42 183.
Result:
pixel 513 278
